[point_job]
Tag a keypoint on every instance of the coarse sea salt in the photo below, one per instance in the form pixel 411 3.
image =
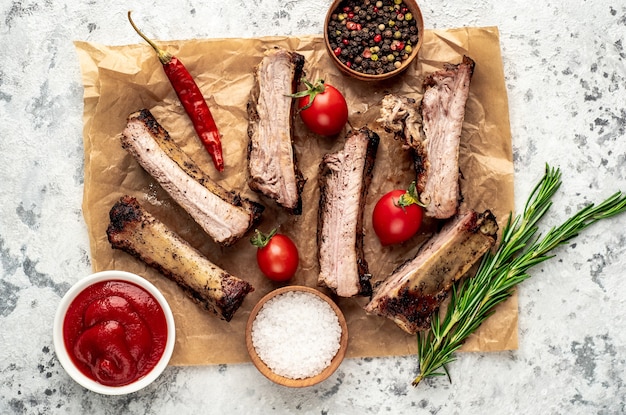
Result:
pixel 296 334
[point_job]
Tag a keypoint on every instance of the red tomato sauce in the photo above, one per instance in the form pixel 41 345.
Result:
pixel 115 332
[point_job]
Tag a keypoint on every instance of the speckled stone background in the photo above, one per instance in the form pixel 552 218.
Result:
pixel 565 66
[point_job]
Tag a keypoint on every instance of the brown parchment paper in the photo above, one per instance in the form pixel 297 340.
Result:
pixel 119 80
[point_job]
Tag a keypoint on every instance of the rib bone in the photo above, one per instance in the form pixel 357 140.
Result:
pixel 224 215
pixel 137 232
pixel 417 288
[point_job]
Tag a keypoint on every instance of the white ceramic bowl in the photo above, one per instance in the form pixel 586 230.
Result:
pixel 64 357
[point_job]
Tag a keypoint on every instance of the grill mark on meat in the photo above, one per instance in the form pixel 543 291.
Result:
pixel 344 180
pixel 272 164
pixel 416 289
pixel 224 215
pixel 135 231
pixel 436 146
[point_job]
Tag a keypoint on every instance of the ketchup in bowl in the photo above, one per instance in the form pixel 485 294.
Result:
pixel 115 332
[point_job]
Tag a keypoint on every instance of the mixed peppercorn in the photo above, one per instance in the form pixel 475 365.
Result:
pixel 372 36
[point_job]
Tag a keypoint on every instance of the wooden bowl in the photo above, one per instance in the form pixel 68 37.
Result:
pixel 286 381
pixel 417 15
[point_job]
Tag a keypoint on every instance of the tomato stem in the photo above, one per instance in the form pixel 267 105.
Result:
pixel 410 197
pixel 311 91
pixel 260 240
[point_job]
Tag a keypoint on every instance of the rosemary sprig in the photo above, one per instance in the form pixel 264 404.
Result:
pixel 474 299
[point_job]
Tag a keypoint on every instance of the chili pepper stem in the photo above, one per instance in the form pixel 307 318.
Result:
pixel 164 56
pixel 192 99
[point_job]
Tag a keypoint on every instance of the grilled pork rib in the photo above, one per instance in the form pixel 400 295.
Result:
pixel 436 151
pixel 417 288
pixel 344 179
pixel 400 115
pixel 272 166
pixel 137 232
pixel 224 215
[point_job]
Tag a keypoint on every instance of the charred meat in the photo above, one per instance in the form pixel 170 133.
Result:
pixel 225 216
pixel 272 166
pixel 417 288
pixel 137 232
pixel 436 146
pixel 344 180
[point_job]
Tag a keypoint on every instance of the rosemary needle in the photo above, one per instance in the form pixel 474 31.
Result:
pixel 474 299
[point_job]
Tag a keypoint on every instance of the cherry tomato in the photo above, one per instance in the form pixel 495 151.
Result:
pixel 397 216
pixel 276 255
pixel 322 107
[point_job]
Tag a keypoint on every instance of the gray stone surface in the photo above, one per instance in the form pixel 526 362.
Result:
pixel 565 66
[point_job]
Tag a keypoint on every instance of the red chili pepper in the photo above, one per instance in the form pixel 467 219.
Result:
pixel 191 97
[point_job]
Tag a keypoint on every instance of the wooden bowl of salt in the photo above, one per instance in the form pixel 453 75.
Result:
pixel 296 336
